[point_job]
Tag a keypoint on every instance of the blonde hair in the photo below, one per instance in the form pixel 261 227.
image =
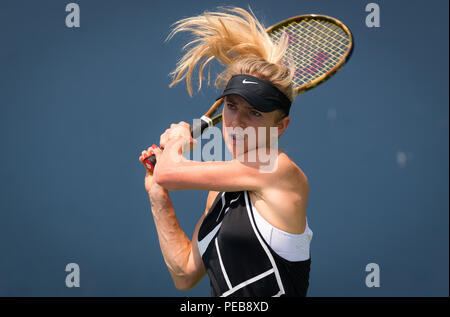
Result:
pixel 236 39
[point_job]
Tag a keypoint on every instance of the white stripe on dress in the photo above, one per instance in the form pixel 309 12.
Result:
pixel 247 282
pixel 204 243
pixel 224 272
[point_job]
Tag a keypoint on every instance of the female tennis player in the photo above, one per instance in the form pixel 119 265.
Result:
pixel 253 238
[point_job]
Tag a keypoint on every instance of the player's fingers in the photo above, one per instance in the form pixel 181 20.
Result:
pixel 143 156
pixel 178 131
pixel 157 152
pixel 163 139
pixel 148 153
pixel 185 124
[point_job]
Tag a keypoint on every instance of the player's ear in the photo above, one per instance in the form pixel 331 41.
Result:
pixel 282 125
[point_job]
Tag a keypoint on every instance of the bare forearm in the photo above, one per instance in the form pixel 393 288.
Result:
pixel 175 245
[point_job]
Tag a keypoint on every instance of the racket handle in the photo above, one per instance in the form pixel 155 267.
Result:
pixel 150 162
pixel 196 130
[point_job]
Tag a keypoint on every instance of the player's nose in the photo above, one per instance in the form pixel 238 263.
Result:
pixel 238 120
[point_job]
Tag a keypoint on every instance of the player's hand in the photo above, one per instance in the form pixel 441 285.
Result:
pixel 181 130
pixel 154 190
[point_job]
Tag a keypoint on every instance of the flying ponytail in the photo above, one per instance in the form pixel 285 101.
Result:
pixel 238 41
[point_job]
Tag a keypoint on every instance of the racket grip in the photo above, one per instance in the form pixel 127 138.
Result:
pixel 196 130
pixel 150 162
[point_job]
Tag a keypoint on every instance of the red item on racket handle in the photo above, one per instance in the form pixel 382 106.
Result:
pixel 150 162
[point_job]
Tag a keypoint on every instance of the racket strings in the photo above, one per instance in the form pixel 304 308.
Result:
pixel 316 50
pixel 320 44
pixel 323 41
pixel 316 46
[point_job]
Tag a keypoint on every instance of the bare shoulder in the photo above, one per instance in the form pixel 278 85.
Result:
pixel 290 172
pixel 283 203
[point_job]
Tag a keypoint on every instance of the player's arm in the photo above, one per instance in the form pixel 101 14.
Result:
pixel 195 269
pixel 182 259
pixel 174 172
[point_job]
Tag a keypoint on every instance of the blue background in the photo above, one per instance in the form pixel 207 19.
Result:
pixel 77 106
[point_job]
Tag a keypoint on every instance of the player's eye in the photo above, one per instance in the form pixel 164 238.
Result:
pixel 231 106
pixel 256 113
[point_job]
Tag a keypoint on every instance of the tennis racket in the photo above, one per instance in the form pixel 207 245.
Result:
pixel 318 45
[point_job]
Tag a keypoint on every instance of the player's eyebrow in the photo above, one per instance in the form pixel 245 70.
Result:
pixel 233 100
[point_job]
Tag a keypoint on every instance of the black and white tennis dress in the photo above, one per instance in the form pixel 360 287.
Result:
pixel 245 256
